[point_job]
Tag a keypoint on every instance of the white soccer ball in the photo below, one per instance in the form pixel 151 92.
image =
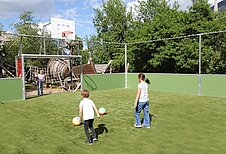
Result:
pixel 76 121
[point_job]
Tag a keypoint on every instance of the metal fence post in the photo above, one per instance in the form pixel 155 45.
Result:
pixel 23 77
pixel 81 74
pixel 200 65
pixel 126 69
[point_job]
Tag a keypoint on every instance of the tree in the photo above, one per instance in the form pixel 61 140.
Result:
pixel 200 19
pixel 156 20
pixel 150 8
pixel 179 55
pixel 1 27
pixel 95 50
pixel 214 47
pixel 26 25
pixel 1 51
pixel 111 22
pixel 30 44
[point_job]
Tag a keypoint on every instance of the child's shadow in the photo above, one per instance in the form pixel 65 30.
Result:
pixel 151 116
pixel 100 129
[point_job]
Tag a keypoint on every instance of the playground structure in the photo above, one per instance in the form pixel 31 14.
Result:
pixel 60 71
pixel 5 68
pixel 202 85
pixel 8 69
pixel 21 68
pixel 58 68
pixel 63 72
pixel 103 68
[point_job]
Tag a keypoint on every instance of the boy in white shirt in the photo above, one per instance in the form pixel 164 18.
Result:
pixel 86 113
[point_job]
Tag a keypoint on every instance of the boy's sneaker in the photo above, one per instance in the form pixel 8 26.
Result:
pixel 95 139
pixel 89 143
pixel 137 126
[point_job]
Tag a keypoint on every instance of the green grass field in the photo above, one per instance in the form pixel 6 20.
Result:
pixel 184 124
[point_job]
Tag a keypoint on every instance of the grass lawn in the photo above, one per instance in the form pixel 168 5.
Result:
pixel 184 124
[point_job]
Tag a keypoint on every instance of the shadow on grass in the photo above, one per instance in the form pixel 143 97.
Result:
pixel 100 130
pixel 35 96
pixel 151 116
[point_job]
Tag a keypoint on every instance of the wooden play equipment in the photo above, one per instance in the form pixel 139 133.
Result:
pixel 62 71
pixel 103 68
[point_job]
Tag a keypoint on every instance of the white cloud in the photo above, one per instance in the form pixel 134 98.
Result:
pixel 71 13
pixel 10 8
pixel 212 1
pixel 67 1
pixel 184 4
pixel 131 5
pixel 92 3
pixel 84 21
pixel 46 24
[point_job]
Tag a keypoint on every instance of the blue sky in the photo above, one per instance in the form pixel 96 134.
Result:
pixel 81 11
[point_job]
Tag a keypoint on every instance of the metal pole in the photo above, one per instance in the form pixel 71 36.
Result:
pixel 71 73
pixel 44 41
pixel 43 34
pixel 23 78
pixel 126 69
pixel 1 64
pixel 58 47
pixel 200 65
pixel 81 74
pixel 16 61
pixel 40 49
pixel 215 9
pixel 61 46
pixel 21 43
pixel 78 48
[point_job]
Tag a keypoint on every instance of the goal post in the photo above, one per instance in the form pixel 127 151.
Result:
pixel 36 56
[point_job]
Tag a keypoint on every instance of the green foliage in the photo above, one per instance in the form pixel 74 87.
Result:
pixel 111 23
pixel 26 25
pixel 31 45
pixel 184 124
pixel 1 27
pixel 154 20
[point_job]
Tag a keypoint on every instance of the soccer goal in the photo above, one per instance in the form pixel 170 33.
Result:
pixel 58 72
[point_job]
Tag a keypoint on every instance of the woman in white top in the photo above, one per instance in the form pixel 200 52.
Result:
pixel 142 102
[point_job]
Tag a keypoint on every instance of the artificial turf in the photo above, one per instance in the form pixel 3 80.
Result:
pixel 181 124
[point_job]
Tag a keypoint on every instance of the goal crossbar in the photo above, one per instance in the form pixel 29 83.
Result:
pixel 49 56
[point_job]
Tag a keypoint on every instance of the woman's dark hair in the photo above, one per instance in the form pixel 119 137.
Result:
pixel 142 77
pixel 147 81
